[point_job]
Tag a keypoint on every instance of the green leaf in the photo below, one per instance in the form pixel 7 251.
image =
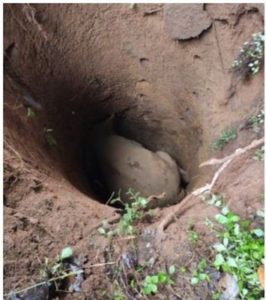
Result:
pixel 225 210
pixel 221 219
pixel 236 229
pixel 231 262
pixel 226 241
pixel 30 112
pixel 154 279
pixel 142 201
pixel 219 247
pixel 203 276
pixel 154 288
pixel 162 277
pixel 194 280
pixel 149 288
pixel 219 260
pixel 258 232
pixel 66 253
pixel 234 218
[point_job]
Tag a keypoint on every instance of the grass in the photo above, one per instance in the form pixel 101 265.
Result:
pixel 224 138
pixel 239 252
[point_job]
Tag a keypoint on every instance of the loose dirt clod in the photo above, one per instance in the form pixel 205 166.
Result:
pixel 186 21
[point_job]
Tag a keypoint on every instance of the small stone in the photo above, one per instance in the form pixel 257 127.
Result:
pixel 228 287
pixel 185 21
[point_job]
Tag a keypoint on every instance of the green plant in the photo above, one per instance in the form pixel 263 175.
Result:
pixel 200 273
pixel 48 132
pixel 256 122
pixel 193 236
pixel 56 267
pixel 182 269
pixel 30 112
pixel 224 138
pixel 259 154
pixel 52 274
pixel 134 212
pixel 240 250
pixel 251 56
pixel 119 295
pixel 151 283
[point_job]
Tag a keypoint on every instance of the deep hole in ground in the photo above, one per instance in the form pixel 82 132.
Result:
pixel 68 68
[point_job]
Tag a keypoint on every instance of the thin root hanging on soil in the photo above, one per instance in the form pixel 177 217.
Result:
pixel 185 204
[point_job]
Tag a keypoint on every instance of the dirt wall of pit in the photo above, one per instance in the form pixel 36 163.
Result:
pixel 170 90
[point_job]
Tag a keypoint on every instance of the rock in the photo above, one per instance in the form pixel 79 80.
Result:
pixel 228 287
pixel 185 21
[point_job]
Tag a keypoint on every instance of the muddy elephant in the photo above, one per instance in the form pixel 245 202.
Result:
pixel 125 164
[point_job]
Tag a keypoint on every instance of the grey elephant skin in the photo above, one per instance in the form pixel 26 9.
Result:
pixel 125 164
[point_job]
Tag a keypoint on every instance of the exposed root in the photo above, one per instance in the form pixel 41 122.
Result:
pixel 184 205
pixel 239 151
pixel 171 217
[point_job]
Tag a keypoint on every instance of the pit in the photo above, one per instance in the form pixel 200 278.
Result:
pixel 70 67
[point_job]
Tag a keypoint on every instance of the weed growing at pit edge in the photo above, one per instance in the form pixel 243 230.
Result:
pixel 52 274
pixel 151 283
pixel 240 251
pixel 193 235
pixel 48 133
pixel 257 121
pixel 259 154
pixel 224 138
pixel 199 274
pixel 250 58
pixel 30 112
pixel 134 211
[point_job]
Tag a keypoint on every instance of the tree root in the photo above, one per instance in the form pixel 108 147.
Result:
pixel 184 205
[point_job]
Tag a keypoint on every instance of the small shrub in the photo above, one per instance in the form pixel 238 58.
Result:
pixel 224 139
pixel 251 56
